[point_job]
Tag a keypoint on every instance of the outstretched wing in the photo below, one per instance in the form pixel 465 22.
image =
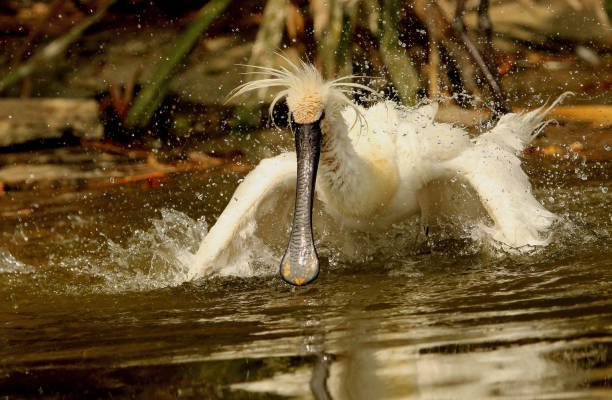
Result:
pixel 253 222
pixel 505 192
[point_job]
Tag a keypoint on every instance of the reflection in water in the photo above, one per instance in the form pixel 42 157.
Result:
pixel 508 344
pixel 319 377
pixel 95 304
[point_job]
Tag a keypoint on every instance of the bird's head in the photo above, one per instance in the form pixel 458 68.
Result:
pixel 311 100
pixel 309 97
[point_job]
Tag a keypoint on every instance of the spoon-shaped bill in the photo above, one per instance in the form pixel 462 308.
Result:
pixel 300 264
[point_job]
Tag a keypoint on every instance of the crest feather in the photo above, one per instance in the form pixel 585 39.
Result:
pixel 301 78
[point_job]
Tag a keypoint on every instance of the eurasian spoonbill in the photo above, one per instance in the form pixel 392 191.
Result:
pixel 375 167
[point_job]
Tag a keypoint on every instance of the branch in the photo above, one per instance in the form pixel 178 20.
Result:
pixel 501 103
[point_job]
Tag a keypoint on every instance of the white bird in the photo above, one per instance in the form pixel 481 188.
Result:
pixel 377 166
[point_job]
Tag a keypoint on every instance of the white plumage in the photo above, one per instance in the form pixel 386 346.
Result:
pixel 378 166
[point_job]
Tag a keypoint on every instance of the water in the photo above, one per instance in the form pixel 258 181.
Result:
pixel 95 304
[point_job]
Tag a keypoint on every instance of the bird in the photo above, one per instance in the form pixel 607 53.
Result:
pixel 369 168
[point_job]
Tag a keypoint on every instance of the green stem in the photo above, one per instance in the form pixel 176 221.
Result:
pixel 329 37
pixel 58 46
pixel 404 75
pixel 153 93
pixel 343 56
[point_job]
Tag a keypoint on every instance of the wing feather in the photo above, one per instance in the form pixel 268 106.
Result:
pixel 505 192
pixel 259 207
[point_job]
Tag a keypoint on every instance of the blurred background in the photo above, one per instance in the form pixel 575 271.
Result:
pixel 142 84
pixel 132 68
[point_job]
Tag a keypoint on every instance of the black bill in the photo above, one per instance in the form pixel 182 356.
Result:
pixel 300 264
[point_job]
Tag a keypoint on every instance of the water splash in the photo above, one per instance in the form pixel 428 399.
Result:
pixel 156 257
pixel 9 264
pixel 404 248
pixel 159 255
pixel 150 259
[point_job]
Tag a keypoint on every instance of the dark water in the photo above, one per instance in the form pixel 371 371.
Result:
pixel 94 304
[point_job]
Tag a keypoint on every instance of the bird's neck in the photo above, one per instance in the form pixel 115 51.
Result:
pixel 339 163
pixel 353 183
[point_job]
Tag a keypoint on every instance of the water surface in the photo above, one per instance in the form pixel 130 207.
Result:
pixel 95 304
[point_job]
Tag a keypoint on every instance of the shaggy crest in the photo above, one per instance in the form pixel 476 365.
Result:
pixel 306 91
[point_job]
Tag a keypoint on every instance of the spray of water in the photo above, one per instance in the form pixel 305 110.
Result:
pixel 159 256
